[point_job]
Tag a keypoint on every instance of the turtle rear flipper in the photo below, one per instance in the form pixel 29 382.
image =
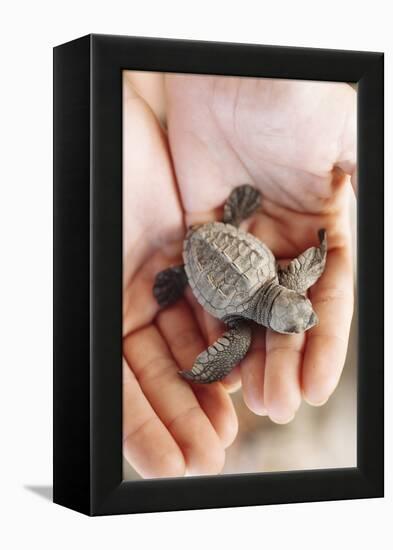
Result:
pixel 221 357
pixel 169 285
pixel 241 203
pixel 305 270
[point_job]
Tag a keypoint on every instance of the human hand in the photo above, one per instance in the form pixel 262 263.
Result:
pixel 169 426
pixel 295 141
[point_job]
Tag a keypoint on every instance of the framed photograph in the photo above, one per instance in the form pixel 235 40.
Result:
pixel 218 275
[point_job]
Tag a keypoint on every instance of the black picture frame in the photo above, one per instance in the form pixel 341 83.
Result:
pixel 88 274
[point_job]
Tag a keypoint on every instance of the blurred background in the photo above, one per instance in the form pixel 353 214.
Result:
pixel 318 437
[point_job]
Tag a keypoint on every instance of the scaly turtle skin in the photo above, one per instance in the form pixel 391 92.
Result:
pixel 235 277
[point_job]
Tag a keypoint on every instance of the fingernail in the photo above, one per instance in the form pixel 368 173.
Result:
pixel 315 400
pixel 232 387
pixel 260 411
pixel 282 420
pixel 316 397
pixel 255 404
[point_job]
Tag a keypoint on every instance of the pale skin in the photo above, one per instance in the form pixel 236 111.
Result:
pixel 295 141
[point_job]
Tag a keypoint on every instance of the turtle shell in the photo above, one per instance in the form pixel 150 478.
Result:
pixel 226 267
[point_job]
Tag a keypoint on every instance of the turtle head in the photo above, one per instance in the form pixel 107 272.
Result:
pixel 292 313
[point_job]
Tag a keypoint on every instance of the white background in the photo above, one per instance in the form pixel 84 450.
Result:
pixel 29 30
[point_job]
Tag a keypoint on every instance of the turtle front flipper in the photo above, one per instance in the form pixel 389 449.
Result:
pixel 221 357
pixel 305 270
pixel 169 285
pixel 241 203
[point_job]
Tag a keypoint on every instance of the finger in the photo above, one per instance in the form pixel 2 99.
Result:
pixel 253 372
pixel 173 401
pixel 182 334
pixel 282 394
pixel 232 381
pixel 354 182
pixel 326 347
pixel 147 444
pixel 139 304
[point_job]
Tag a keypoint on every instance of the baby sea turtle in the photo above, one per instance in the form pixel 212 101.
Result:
pixel 235 277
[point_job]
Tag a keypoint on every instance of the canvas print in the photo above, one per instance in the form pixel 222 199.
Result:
pixel 239 275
